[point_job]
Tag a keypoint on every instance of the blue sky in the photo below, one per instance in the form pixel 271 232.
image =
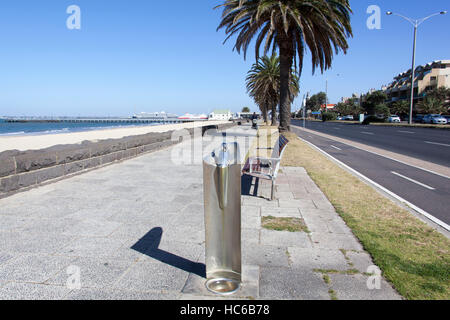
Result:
pixel 148 55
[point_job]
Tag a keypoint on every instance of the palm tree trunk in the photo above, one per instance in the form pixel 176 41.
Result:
pixel 274 113
pixel 286 57
pixel 264 112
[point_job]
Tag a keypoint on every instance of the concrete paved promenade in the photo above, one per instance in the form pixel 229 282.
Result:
pixel 134 230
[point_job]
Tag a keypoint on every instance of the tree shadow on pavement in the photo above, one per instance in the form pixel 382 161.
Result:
pixel 149 245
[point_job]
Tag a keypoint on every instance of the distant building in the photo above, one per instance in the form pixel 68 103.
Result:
pixel 224 115
pixel 431 76
pixel 328 106
pixel 193 117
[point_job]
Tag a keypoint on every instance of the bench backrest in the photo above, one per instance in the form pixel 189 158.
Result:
pixel 279 147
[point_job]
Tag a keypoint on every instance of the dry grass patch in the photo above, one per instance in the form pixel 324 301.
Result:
pixel 284 224
pixel 413 257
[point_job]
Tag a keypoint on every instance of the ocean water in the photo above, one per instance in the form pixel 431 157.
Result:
pixel 38 128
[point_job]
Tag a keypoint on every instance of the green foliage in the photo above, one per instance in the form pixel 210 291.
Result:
pixel 329 116
pixel 263 84
pixel 382 110
pixel 348 108
pixel 245 109
pixel 442 94
pixel 400 107
pixel 316 101
pixel 289 27
pixel 373 100
pixel 432 104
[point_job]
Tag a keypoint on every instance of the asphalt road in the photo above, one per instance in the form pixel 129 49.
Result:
pixel 431 145
pixel 426 190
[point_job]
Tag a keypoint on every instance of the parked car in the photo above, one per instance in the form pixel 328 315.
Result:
pixel 394 119
pixel 339 118
pixel 447 117
pixel 348 118
pixel 418 118
pixel 434 119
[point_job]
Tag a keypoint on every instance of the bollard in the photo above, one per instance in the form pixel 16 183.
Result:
pixel 222 200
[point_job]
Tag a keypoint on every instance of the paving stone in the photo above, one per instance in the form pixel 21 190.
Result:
pixel 4 257
pixel 251 211
pixel 335 241
pixel 354 287
pixel 285 238
pixel 297 203
pixel 250 235
pixel 32 291
pixel 148 276
pixel 260 202
pixel 361 260
pixel 11 223
pixel 94 228
pixel 281 212
pixel 261 255
pixel 102 294
pixel 25 242
pixel 91 247
pixel 33 268
pixel 285 284
pixel 250 222
pixel 317 258
pixel 94 272
pixel 326 214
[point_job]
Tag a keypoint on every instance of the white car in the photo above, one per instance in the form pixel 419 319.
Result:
pixel 434 119
pixel 394 119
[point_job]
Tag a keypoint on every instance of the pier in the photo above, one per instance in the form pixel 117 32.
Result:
pixel 97 120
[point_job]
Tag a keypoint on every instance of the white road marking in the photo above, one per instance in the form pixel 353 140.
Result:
pixel 390 193
pixel 363 132
pixel 412 180
pixel 336 148
pixel 393 159
pixel 407 132
pixel 438 144
pixel 337 128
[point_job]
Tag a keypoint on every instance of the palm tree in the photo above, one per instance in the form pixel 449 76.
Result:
pixel 291 26
pixel 263 85
pixel 432 105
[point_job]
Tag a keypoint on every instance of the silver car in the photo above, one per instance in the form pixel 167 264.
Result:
pixel 434 119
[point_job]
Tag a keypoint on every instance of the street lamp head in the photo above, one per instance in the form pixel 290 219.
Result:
pixel 389 13
pixel 443 12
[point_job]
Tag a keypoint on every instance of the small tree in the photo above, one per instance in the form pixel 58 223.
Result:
pixel 245 110
pixel 316 101
pixel 372 100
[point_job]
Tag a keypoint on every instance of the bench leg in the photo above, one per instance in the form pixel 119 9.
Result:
pixel 272 197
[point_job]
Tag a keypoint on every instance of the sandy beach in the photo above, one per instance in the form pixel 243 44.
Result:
pixel 36 142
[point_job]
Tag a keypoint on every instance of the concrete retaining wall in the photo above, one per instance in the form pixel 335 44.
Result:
pixel 21 170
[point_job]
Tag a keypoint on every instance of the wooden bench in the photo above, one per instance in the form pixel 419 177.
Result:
pixel 267 168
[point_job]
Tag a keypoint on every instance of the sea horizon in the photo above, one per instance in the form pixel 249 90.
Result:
pixel 15 129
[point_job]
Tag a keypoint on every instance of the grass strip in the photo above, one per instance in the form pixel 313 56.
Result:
pixel 284 224
pixel 413 257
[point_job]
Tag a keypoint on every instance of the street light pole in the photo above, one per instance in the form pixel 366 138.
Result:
pixel 416 23
pixel 413 75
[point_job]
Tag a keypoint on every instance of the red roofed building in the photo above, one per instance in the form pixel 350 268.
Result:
pixel 328 106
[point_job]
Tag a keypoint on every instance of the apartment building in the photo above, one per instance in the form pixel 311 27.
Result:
pixel 428 77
